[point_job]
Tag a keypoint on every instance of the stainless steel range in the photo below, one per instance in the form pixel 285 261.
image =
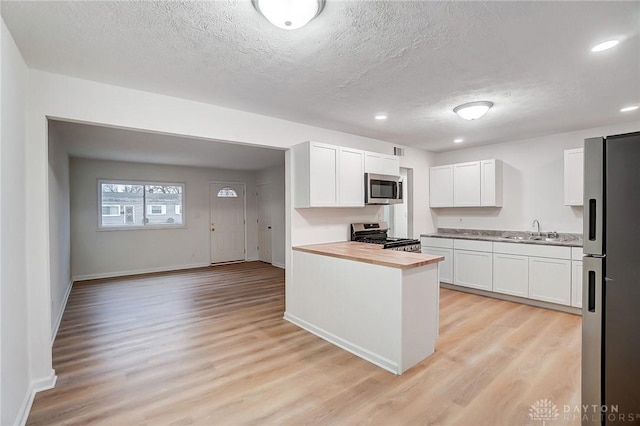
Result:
pixel 376 233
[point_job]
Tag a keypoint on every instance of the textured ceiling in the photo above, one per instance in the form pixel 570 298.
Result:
pixel 413 60
pixel 105 143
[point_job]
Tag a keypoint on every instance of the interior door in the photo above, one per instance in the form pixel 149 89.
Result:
pixel 264 223
pixel 227 228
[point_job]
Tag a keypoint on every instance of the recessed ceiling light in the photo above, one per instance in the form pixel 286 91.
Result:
pixel 605 45
pixel 381 117
pixel 629 108
pixel 473 110
pixel 458 140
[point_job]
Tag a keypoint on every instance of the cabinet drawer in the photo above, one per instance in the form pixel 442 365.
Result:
pixel 436 242
pixel 576 253
pixel 555 252
pixel 473 245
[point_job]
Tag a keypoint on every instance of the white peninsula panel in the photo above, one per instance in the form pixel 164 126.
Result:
pixel 386 315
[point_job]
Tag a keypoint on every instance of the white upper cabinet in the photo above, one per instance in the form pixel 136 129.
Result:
pixel 381 164
pixel 471 184
pixel 466 184
pixel 491 183
pixel 327 176
pixel 573 176
pixel 351 183
pixel 323 171
pixel 441 186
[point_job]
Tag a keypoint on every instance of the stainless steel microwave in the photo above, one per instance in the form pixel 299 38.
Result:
pixel 382 189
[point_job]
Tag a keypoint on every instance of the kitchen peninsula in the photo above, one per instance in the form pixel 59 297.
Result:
pixel 380 305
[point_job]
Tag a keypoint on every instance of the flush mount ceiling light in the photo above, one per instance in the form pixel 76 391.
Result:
pixel 473 110
pixel 629 108
pixel 605 45
pixel 458 140
pixel 289 14
pixel 381 117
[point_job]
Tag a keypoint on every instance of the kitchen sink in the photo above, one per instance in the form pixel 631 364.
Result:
pixel 531 238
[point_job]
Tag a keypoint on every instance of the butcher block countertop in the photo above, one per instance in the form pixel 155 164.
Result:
pixel 371 253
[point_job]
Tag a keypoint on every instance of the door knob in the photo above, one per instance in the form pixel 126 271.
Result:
pixel 213 229
pixel 268 227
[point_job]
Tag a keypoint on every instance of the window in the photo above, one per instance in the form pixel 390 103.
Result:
pixel 125 204
pixel 110 210
pixel 157 209
pixel 227 193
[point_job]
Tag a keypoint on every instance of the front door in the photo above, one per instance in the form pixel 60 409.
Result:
pixel 227 222
pixel 264 222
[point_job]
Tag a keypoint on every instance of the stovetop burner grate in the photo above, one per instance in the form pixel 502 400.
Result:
pixel 377 234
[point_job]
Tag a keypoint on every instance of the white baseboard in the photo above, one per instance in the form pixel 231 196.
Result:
pixel 363 353
pixel 138 272
pixel 278 265
pixel 35 386
pixel 252 259
pixel 63 305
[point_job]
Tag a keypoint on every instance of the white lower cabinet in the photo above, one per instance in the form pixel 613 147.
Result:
pixel 550 280
pixel 473 269
pixel 511 274
pixel 445 267
pixel 533 271
pixel 576 284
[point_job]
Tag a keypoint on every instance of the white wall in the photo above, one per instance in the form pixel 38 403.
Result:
pixel 103 253
pixel 14 344
pixel 72 99
pixel 60 220
pixel 275 176
pixel 533 183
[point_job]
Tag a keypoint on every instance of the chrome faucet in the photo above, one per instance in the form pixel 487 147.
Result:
pixel 536 222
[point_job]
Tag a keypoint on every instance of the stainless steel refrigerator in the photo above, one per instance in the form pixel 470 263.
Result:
pixel 611 281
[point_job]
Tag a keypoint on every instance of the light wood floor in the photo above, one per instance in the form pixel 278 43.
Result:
pixel 209 346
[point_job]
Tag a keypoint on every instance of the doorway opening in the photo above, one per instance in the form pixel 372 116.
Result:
pixel 400 216
pixel 264 223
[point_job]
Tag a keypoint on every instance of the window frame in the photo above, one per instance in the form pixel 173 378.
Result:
pixel 144 224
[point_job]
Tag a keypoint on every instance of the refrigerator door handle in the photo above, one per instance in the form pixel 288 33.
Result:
pixel 593 195
pixel 592 312
pixel 591 298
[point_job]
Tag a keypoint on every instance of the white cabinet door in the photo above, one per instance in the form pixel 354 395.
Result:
pixel 576 284
pixel 491 183
pixel 323 175
pixel 441 186
pixel 466 184
pixel 550 280
pixel 511 274
pixel 473 269
pixel 381 164
pixel 351 178
pixel 445 267
pixel 573 176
